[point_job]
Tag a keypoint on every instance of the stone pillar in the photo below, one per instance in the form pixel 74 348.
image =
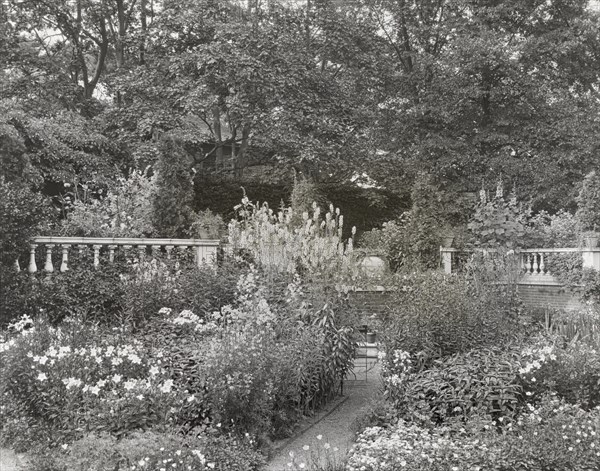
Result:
pixel 591 258
pixel 446 260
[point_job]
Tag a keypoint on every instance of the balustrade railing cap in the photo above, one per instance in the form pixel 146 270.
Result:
pixel 124 241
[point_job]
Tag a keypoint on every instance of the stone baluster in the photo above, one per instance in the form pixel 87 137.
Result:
pixel 17 265
pixel 32 265
pixel 111 253
pixel 524 262
pixel 127 248
pixel 169 248
pixel 536 263
pixel 96 255
pixel 542 264
pixel 529 264
pixel 141 252
pixel 48 266
pixel 65 257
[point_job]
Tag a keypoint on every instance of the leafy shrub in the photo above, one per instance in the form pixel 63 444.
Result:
pixel 124 211
pixel 552 230
pixel 160 283
pixel 23 214
pixel 582 325
pixel 18 295
pixel 553 436
pixel 588 203
pixel 412 240
pixel 483 381
pixel 172 212
pixel 83 291
pixel 434 315
pixel 568 269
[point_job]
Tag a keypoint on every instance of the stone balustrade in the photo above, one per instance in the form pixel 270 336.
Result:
pixel 532 261
pixel 205 251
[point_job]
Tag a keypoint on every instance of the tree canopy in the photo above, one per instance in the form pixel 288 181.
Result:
pixel 468 91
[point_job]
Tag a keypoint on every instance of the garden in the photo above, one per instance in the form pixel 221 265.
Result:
pixel 213 213
pixel 154 363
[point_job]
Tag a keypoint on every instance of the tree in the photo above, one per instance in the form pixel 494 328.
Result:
pixel 488 88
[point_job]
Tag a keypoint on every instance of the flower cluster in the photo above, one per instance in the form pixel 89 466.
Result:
pixel 396 370
pixel 283 240
pixel 410 447
pixel 177 460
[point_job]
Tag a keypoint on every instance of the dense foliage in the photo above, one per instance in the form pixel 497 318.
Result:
pixel 338 91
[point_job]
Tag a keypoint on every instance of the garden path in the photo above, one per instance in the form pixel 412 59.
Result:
pixel 334 425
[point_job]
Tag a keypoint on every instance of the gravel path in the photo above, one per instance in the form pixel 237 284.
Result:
pixel 331 436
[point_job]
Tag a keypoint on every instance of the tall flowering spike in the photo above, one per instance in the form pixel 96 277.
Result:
pixel 482 195
pixel 499 190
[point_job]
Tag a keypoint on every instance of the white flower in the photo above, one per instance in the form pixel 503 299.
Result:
pixel 319 437
pixel 133 358
pixel 42 360
pixel 117 378
pixel 305 447
pixel 95 390
pixel 167 385
pixel 154 371
pixel 129 385
pixel 42 377
pixel 72 382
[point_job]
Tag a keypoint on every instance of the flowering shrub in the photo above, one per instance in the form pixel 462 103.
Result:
pixel 572 372
pixel 552 436
pixel 482 381
pixel 408 446
pixel 124 211
pixel 315 247
pixel 62 385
